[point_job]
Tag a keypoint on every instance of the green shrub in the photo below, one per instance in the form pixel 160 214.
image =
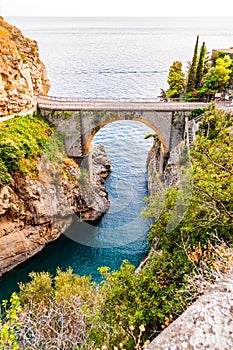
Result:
pixel 22 141
pixel 196 112
pixel 11 155
pixel 5 177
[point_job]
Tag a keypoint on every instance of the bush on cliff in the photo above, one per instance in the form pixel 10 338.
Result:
pixel 210 206
pixel 22 140
pixel 5 177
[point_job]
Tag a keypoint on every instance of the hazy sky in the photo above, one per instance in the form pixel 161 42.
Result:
pixel 116 8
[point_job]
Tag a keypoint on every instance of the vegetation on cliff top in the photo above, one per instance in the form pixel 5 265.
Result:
pixel 30 146
pixel 129 309
pixel 206 76
pixel 22 141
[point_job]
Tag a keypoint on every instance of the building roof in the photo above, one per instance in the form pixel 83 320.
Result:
pixel 230 50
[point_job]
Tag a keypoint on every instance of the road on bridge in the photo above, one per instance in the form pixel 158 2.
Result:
pixel 53 103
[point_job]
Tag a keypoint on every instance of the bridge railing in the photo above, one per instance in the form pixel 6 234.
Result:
pixel 95 99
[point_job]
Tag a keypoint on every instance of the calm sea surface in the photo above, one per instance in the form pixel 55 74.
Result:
pixel 113 58
pixel 119 57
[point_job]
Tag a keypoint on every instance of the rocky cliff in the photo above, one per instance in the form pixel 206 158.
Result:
pixel 22 74
pixel 35 212
pixel 163 169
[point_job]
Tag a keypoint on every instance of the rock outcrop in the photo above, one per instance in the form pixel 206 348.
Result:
pixel 163 170
pixel 22 74
pixel 206 324
pixel 155 166
pixel 35 212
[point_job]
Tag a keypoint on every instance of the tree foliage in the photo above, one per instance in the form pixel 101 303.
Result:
pixel 175 80
pixel 205 75
pixel 200 67
pixel 210 208
pixel 218 76
pixel 191 81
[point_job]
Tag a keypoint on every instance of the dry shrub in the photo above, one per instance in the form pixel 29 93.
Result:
pixel 54 326
pixel 211 263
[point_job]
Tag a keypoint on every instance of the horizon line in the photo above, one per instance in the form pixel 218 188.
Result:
pixel 121 16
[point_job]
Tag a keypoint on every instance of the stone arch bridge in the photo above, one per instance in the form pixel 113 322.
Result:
pixel 80 120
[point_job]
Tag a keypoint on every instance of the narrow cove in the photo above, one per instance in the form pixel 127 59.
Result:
pixel 121 233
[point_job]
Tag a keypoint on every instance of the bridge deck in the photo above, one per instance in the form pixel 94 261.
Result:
pixel 76 105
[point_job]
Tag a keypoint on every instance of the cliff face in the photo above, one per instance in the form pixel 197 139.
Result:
pixel 35 212
pixel 165 172
pixel 22 74
pixel 155 163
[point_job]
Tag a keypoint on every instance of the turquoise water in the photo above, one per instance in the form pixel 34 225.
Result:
pixel 121 233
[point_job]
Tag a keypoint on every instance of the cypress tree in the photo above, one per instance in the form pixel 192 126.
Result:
pixel 193 70
pixel 200 67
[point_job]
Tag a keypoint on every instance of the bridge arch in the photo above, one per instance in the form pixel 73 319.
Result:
pixel 87 145
pixel 79 127
pixel 80 120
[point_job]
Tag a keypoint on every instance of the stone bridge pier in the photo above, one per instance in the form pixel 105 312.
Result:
pixel 79 127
